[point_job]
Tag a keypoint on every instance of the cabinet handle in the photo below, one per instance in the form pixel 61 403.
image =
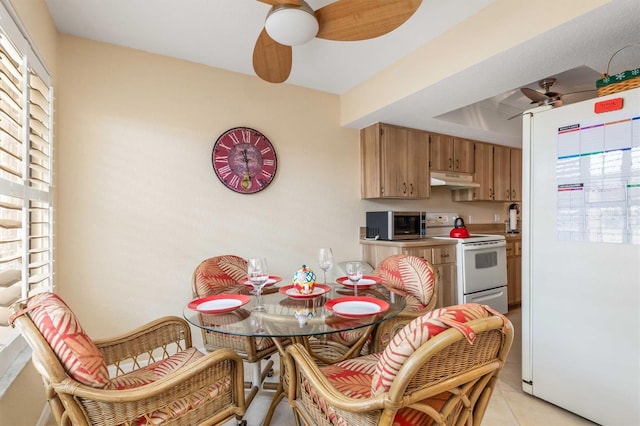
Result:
pixel 444 255
pixel 491 193
pixel 450 163
pixel 457 164
pixel 508 193
pixel 513 194
pixel 404 187
pixel 411 186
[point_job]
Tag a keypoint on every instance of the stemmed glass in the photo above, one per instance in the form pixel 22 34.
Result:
pixel 354 273
pixel 325 260
pixel 258 274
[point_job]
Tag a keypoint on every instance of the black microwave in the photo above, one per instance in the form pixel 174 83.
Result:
pixel 392 225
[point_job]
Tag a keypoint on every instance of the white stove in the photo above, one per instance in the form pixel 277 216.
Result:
pixel 481 263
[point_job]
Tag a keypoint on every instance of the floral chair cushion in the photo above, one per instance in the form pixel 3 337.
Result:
pixel 158 370
pixel 353 379
pixel 372 374
pixel 78 354
pixel 417 332
pixel 217 274
pixel 408 275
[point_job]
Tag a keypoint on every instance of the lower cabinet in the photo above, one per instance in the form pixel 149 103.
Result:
pixel 514 272
pixel 442 257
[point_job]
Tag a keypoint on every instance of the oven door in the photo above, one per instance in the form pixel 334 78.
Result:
pixel 484 266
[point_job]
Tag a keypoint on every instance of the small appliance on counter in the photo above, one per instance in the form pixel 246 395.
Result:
pixel 514 210
pixel 394 225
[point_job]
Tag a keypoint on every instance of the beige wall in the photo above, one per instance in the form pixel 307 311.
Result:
pixel 139 205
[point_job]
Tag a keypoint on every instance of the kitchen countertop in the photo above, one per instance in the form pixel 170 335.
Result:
pixel 409 243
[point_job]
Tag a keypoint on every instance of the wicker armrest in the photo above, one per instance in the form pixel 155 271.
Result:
pixel 300 366
pixel 169 334
pixel 196 378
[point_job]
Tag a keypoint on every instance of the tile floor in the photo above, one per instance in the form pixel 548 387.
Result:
pixel 509 405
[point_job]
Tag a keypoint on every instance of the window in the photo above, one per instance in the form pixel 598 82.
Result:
pixel 26 211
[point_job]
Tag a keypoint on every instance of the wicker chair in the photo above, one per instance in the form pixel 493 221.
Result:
pixel 151 375
pixel 223 274
pixel 440 369
pixel 409 276
pixel 412 277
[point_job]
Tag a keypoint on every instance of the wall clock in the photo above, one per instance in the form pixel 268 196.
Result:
pixel 244 160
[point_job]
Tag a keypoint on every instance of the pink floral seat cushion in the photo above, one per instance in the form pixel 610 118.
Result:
pixel 353 379
pixel 161 369
pixel 418 332
pixel 372 374
pixel 219 274
pixel 409 276
pixel 79 355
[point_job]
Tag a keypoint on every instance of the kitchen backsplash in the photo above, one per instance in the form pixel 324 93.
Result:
pixel 476 212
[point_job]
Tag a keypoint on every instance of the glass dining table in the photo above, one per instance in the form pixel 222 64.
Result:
pixel 333 325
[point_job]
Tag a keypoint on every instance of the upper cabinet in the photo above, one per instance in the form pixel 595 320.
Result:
pixel 451 154
pixel 394 162
pixel 498 170
pixel 507 173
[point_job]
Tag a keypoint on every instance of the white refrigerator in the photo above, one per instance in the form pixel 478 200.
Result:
pixel 581 257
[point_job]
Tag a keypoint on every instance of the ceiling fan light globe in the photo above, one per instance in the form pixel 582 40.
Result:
pixel 291 26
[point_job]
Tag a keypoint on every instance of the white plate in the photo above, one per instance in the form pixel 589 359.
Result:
pixel 219 305
pixel 356 308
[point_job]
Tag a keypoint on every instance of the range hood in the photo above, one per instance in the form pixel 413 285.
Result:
pixel 453 180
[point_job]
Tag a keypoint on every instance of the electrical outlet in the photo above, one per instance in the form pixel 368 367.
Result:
pixel 496 217
pixel 470 219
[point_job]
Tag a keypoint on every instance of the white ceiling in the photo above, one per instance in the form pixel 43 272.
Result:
pixel 222 33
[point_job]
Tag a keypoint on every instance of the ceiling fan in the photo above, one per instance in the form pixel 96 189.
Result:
pixel 547 97
pixel 293 22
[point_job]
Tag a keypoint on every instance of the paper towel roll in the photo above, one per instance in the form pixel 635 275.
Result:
pixel 513 220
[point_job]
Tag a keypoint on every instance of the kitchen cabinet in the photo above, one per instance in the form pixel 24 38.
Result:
pixel 394 162
pixel 507 173
pixel 498 170
pixel 451 154
pixel 514 272
pixel 441 256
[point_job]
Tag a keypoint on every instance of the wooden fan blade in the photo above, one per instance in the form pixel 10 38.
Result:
pixel 353 20
pixel 271 60
pixel 534 95
pixel 275 2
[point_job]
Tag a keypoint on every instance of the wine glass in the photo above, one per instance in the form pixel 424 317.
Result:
pixel 354 273
pixel 325 260
pixel 257 273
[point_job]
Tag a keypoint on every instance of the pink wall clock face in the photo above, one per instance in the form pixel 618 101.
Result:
pixel 244 160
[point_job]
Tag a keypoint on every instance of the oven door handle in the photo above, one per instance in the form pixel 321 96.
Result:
pixel 469 247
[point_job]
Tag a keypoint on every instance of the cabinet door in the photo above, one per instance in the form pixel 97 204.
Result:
pixel 418 164
pixel 502 173
pixel 463 156
pixel 441 152
pixel 484 171
pixel 514 280
pixel 516 174
pixel 370 162
pixel 446 275
pixel 394 144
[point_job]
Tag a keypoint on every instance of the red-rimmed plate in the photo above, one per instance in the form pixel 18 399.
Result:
pixel 356 307
pixel 318 290
pixel 366 281
pixel 273 279
pixel 219 304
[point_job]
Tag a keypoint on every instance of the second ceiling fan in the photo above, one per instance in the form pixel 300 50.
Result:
pixel 548 97
pixel 293 22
